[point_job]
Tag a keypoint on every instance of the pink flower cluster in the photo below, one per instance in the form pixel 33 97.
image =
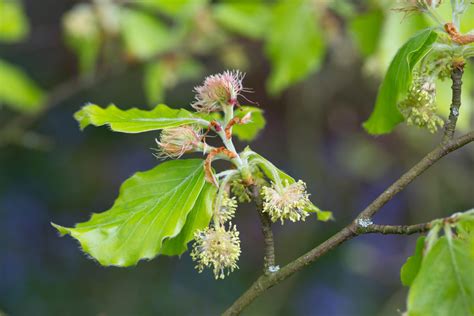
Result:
pixel 218 91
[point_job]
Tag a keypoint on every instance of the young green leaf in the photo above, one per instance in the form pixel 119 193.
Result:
pixel 13 22
pixel 275 174
pixel 445 282
pixel 295 44
pixel 397 81
pixel 17 90
pixel 412 266
pixel 269 169
pixel 198 218
pixel 135 120
pixel 152 206
pixel 248 132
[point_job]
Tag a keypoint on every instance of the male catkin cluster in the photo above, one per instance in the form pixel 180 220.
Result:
pixel 218 249
pixel 419 107
pixel 286 201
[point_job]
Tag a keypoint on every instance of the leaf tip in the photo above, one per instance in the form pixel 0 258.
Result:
pixel 62 230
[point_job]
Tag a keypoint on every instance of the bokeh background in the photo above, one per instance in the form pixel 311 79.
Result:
pixel 315 98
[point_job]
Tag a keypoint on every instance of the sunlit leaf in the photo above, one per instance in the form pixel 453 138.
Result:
pixel 135 120
pixel 13 23
pixel 17 90
pixel 397 81
pixel 445 283
pixel 295 44
pixel 152 207
pixel 197 219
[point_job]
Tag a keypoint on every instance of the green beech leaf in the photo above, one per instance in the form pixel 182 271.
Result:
pixel 197 219
pixel 248 132
pixel 269 169
pixel 445 283
pixel 144 35
pixel 248 19
pixel 397 81
pixel 272 172
pixel 412 266
pixel 13 22
pixel 135 120
pixel 17 90
pixel 295 44
pixel 152 206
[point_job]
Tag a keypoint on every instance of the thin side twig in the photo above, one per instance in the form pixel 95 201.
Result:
pixel 396 229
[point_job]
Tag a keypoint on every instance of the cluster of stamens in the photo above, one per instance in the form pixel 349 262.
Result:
pixel 419 107
pixel 217 248
pixel 225 208
pixel 286 201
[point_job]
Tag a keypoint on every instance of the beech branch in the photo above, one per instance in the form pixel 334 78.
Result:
pixel 456 77
pixel 361 225
pixel 269 257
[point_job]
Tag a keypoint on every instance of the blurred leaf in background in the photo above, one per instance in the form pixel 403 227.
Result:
pixel 295 43
pixel 13 22
pixel 145 36
pixel 246 19
pixel 17 90
pixel 166 73
pixel 83 35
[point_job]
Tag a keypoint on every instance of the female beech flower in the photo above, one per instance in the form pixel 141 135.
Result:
pixel 176 141
pixel 226 210
pixel 218 91
pixel 286 202
pixel 218 248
